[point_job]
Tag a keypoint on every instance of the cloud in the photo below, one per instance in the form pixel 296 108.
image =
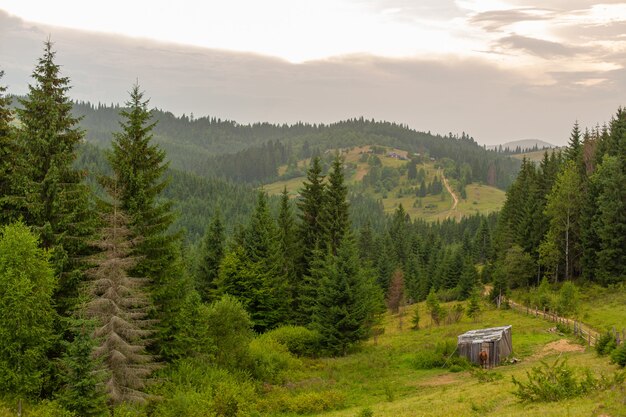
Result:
pixel 496 20
pixel 539 47
pixel 448 94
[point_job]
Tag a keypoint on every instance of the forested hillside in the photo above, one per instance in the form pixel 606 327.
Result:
pixel 253 153
pixel 136 286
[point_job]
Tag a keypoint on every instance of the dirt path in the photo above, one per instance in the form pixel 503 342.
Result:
pixel 454 197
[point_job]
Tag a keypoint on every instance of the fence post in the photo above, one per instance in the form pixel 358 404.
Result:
pixel 589 338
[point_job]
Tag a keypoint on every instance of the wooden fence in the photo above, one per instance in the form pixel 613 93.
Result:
pixel 582 330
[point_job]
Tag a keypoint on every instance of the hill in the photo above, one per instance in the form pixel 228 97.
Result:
pixel 389 183
pixel 208 146
pixel 523 144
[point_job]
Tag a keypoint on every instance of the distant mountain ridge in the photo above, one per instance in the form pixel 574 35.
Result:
pixel 523 144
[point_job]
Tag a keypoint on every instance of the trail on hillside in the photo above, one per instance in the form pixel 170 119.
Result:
pixel 454 197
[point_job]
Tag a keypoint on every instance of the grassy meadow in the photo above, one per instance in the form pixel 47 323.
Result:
pixel 382 377
pixel 480 198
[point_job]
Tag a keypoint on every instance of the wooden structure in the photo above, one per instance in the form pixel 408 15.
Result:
pixel 496 341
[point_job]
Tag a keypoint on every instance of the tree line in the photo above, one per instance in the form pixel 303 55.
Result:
pixel 565 218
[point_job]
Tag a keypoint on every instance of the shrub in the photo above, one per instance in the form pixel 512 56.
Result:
pixel 618 355
pixel 310 402
pixel 568 299
pixel 427 359
pixel 195 388
pixel 605 344
pixel 484 375
pixel 268 360
pixel 297 339
pixel 366 412
pixel 456 368
pixel 553 383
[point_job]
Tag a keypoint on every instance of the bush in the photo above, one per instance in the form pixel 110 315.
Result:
pixel 618 355
pixel 268 360
pixel 310 402
pixel 195 388
pixel 553 383
pixel 484 375
pixel 428 359
pixel 297 339
pixel 605 344
pixel 568 300
pixel 366 412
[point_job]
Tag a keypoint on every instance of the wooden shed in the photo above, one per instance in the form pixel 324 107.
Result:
pixel 496 341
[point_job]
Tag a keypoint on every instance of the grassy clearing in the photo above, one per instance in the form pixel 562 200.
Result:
pixel 382 376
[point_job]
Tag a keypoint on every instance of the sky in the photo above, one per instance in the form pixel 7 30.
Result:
pixel 500 70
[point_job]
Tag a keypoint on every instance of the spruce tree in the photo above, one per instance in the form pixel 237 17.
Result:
pixel 334 216
pixel 468 279
pixel 254 274
pixel 139 167
pixel 610 220
pixel 212 253
pixel 119 304
pixel 288 243
pixel 82 380
pixel 51 194
pixel 473 306
pixel 310 239
pixel 482 242
pixel 574 146
pixel 348 302
pixel 7 155
pixel 311 204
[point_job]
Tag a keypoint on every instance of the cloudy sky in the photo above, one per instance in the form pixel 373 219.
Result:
pixel 499 70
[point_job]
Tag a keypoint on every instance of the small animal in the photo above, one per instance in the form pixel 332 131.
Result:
pixel 484 358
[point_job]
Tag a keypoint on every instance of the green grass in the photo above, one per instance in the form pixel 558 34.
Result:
pixel 604 308
pixel 381 376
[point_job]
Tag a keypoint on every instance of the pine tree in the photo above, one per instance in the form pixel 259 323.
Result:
pixel 482 242
pixel 574 147
pixel 50 192
pixel 473 308
pixel 311 204
pixel 119 303
pixel 468 279
pixel 254 272
pixel 82 390
pixel 8 153
pixel 26 312
pixel 334 216
pixel 348 302
pixel 610 220
pixel 212 253
pixel 139 166
pixel 434 308
pixel 287 243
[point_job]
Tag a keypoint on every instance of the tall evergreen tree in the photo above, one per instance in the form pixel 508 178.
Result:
pixel 482 242
pixel 7 155
pixel 52 196
pixel 610 220
pixel 138 166
pixel 254 274
pixel 288 243
pixel 119 303
pixel 212 253
pixel 348 302
pixel 311 204
pixel 334 216
pixel 574 146
pixel 82 391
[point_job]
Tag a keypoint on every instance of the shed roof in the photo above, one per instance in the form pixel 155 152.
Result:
pixel 484 335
